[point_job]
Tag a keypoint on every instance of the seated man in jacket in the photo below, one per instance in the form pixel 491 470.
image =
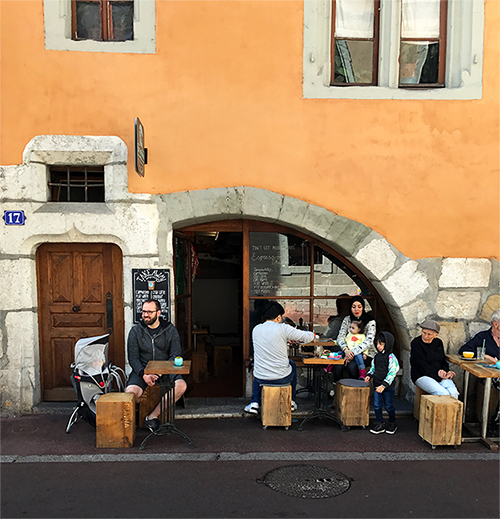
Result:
pixel 490 338
pixel 152 338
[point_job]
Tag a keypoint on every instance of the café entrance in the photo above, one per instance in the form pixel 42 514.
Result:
pixel 224 268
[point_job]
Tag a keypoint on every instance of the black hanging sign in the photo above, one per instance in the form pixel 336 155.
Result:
pixel 140 152
pixel 151 284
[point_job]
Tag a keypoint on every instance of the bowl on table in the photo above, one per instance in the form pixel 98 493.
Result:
pixel 468 354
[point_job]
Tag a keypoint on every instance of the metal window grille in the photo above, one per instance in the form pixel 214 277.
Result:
pixel 76 184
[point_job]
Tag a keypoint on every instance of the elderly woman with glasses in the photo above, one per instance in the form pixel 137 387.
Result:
pixel 429 368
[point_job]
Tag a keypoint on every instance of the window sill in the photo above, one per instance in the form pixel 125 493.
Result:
pixel 317 90
pixel 75 208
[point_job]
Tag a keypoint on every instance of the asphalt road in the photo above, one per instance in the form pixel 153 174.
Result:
pixel 218 488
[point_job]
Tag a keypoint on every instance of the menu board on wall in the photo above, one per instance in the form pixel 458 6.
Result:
pixel 151 284
pixel 265 264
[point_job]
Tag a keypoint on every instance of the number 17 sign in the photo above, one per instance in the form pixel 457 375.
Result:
pixel 14 217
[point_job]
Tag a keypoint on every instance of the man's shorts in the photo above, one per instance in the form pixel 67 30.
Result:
pixel 136 380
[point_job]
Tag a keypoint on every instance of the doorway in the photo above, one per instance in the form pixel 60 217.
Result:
pixel 224 268
pixel 79 295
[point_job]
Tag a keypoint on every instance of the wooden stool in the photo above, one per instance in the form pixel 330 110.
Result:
pixel 150 398
pixel 115 420
pixel 416 403
pixel 199 368
pixel 276 406
pixel 352 402
pixel 440 420
pixel 223 361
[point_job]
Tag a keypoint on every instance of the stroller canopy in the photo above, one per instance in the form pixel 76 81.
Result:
pixel 91 354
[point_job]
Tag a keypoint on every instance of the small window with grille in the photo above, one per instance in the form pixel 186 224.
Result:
pixel 76 183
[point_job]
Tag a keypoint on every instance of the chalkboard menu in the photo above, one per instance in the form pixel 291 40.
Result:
pixel 151 284
pixel 265 263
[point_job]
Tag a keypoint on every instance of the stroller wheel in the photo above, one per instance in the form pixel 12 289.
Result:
pixel 72 419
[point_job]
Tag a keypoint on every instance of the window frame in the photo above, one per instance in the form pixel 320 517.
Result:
pixel 464 54
pixel 58 30
pixel 105 14
pixel 441 40
pixel 375 39
pixel 73 182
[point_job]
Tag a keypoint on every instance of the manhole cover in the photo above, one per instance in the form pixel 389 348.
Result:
pixel 306 481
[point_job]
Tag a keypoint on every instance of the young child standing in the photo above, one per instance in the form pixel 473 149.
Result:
pixel 383 371
pixel 354 338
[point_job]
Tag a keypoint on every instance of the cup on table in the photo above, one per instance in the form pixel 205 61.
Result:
pixel 479 353
pixel 498 364
pixel 178 361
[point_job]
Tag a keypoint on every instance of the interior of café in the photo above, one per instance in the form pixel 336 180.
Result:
pixel 222 271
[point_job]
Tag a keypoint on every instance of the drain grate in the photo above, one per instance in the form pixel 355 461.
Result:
pixel 306 481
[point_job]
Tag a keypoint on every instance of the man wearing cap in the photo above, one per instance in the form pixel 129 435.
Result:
pixel 429 368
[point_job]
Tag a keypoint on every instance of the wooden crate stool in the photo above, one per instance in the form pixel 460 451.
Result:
pixel 115 420
pixel 416 403
pixel 440 420
pixel 276 406
pixel 352 402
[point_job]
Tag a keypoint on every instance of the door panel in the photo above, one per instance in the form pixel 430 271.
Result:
pixel 76 283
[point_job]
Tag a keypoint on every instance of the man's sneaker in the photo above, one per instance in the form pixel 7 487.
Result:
pixel 378 428
pixel 153 424
pixel 252 408
pixel 392 428
pixel 294 406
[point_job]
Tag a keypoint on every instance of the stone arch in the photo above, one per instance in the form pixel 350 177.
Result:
pixel 354 241
pixel 460 293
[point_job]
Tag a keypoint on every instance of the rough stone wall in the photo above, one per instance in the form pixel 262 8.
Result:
pixel 130 221
pixel 460 293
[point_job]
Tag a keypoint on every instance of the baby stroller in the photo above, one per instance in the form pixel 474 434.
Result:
pixel 92 376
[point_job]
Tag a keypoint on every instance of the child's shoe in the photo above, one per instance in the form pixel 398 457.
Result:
pixel 378 428
pixel 392 428
pixel 362 374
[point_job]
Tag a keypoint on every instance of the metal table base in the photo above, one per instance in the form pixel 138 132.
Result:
pixel 321 403
pixel 167 413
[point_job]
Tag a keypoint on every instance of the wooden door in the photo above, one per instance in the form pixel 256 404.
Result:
pixel 79 295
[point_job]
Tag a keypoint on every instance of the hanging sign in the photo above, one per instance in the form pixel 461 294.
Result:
pixel 141 153
pixel 14 217
pixel 151 284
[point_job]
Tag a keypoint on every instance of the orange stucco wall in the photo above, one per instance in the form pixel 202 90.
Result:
pixel 221 102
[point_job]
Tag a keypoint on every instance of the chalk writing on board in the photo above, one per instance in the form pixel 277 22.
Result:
pixel 151 284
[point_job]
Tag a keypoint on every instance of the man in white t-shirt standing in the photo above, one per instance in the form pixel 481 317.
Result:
pixel 271 363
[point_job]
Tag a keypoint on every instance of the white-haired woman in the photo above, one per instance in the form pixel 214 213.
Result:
pixel 490 338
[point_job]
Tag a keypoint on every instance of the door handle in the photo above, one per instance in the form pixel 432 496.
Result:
pixel 109 312
pixel 76 309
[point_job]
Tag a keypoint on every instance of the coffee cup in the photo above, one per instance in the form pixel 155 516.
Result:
pixel 178 361
pixel 498 364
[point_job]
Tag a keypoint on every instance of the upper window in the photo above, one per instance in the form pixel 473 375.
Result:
pixel 393 49
pixel 354 50
pixel 100 25
pixel 102 20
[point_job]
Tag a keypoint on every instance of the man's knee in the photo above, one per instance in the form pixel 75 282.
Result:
pixel 180 387
pixel 136 390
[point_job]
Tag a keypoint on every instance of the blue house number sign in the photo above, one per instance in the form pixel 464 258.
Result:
pixel 14 217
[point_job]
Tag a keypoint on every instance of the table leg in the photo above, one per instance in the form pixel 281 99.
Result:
pixel 320 379
pixel 486 405
pixel 466 389
pixel 167 413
